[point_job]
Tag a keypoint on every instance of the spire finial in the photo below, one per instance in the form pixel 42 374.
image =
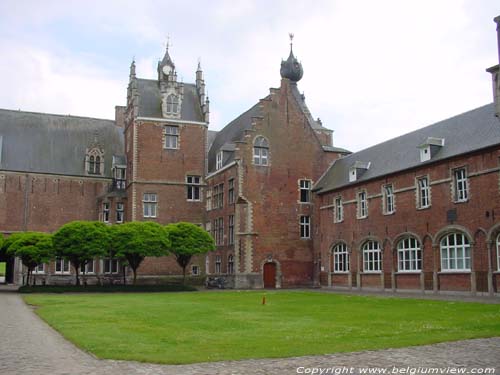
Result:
pixel 291 39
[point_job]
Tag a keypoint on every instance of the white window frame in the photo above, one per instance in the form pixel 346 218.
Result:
pixel 39 269
pixel 105 212
pixel 423 192
pixel 171 137
pixel 209 199
pixel 452 253
pixel 63 269
pixel 261 151
pixel 305 191
pixel 409 255
pixel 112 262
pixel 149 205
pixel 230 264
pixel 362 203
pixel 193 188
pixel 87 268
pixel 218 264
pixel 120 212
pixel 460 185
pixel 338 210
pixel 341 259
pixel 372 257
pixel 173 104
pixel 389 199
pixel 498 252
pixel 219 160
pixel 305 227
pixel 195 270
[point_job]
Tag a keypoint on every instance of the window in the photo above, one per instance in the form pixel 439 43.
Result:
pixel 230 191
pixel 230 264
pixel 119 175
pixel 39 269
pixel 423 192
pixel 340 258
pixel 171 137
pixel 372 257
pixel 305 191
pixel 338 208
pixel 94 161
pixel 460 185
pixel 172 104
pixel 218 263
pixel 149 204
pixel 221 231
pixel 455 253
pixel 97 165
pixel 498 252
pixel 260 151
pixel 362 205
pixel 218 201
pixel 88 268
pixel 388 193
pixel 105 212
pixel 219 159
pixel 119 212
pixel 193 188
pixel 209 199
pixel 230 240
pixel 409 255
pixel 91 168
pixel 111 265
pixel 195 270
pixel 62 266
pixel 305 227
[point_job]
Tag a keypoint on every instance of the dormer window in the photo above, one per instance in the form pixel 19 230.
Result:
pixel 172 104
pixel 357 170
pixel 94 162
pixel 260 151
pixel 219 160
pixel 430 148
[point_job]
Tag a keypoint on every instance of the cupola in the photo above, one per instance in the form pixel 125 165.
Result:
pixel 291 68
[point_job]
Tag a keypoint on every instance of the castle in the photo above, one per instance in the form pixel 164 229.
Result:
pixel 285 206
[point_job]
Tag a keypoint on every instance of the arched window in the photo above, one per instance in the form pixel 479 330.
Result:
pixel 455 252
pixel 172 104
pixel 498 252
pixel 97 169
pixel 372 257
pixel 340 258
pixel 409 255
pixel 230 264
pixel 260 151
pixel 91 167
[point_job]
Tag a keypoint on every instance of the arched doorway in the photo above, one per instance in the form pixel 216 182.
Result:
pixel 7 266
pixel 270 275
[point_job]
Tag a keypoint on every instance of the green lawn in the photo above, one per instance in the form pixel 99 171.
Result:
pixel 2 268
pixel 198 326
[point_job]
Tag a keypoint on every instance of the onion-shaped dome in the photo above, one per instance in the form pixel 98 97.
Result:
pixel 291 68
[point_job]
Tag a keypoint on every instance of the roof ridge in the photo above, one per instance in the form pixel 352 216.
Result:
pixel 56 114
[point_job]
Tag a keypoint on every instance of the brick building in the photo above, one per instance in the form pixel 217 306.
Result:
pixel 285 206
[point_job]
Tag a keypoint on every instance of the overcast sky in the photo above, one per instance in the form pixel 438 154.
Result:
pixel 373 70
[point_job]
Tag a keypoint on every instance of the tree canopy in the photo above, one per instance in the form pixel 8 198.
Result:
pixel 136 240
pixel 82 241
pixel 33 248
pixel 187 240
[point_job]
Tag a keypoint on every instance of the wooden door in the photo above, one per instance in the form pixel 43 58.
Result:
pixel 270 275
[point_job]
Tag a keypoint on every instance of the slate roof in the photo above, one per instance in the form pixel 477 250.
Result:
pixel 229 134
pixel 470 131
pixel 48 143
pixel 150 101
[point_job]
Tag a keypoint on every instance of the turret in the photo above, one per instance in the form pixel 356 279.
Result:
pixel 291 68
pixel 495 75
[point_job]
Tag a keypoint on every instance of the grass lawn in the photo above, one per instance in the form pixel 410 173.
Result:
pixel 2 268
pixel 192 327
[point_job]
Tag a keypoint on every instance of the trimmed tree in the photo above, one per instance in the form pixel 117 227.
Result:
pixel 187 240
pixel 33 248
pixel 81 242
pixel 137 240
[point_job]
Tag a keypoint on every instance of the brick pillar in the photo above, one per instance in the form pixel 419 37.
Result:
pixel 473 288
pixel 490 268
pixel 393 270
pixel 358 274
pixel 435 263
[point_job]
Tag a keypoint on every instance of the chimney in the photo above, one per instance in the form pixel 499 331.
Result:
pixel 494 70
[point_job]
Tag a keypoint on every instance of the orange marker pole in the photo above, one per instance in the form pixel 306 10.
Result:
pixel 264 300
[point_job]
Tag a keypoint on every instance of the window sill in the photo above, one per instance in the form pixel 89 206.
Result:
pixel 340 273
pixel 462 201
pixel 362 217
pixel 423 208
pixel 370 273
pixel 193 200
pixel 454 272
pixel 389 213
pixel 408 272
pixel 338 221
pixel 305 238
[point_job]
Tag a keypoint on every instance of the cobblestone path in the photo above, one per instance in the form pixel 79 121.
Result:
pixel 29 346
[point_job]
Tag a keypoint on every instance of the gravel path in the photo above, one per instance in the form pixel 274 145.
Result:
pixel 29 346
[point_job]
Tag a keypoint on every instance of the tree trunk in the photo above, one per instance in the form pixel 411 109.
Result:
pixel 134 270
pixel 184 275
pixel 125 276
pixel 77 278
